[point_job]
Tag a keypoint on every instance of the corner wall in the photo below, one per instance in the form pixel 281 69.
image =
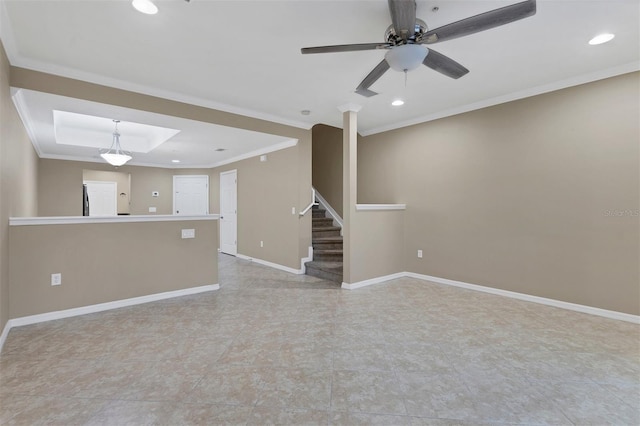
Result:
pixel 327 164
pixel 267 191
pixel 18 178
pixel 538 196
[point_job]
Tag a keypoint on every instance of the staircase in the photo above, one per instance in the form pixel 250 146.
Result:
pixel 327 248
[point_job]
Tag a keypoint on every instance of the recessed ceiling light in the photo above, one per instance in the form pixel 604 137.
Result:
pixel 175 161
pixel 601 38
pixel 397 102
pixel 145 6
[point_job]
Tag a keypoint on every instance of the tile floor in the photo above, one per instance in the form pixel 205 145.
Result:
pixel 275 348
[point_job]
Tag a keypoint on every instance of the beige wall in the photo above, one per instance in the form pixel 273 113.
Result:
pixel 297 168
pixel 267 191
pixel 60 187
pixel 107 262
pixel 123 186
pixel 327 164
pixel 377 238
pixel 18 178
pixel 538 196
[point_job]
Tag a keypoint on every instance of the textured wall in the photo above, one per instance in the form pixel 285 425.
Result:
pixel 107 262
pixel 327 164
pixel 538 196
pixel 18 178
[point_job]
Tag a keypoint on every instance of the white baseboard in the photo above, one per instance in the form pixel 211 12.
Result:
pixel 377 280
pixel 5 333
pixel 271 264
pixel 304 260
pixel 33 319
pixel 621 316
pixel 529 298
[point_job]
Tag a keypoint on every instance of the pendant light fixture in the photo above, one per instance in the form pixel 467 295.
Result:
pixel 115 155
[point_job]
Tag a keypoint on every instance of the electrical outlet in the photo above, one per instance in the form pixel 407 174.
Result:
pixel 419 254
pixel 56 279
pixel 152 210
pixel 188 233
pixel 261 243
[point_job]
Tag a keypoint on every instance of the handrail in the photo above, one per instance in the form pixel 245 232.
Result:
pixel 313 203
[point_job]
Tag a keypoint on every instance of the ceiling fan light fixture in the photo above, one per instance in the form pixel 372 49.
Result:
pixel 115 155
pixel 601 38
pixel 145 6
pixel 406 57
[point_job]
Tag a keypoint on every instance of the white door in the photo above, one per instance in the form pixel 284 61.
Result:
pixel 229 212
pixel 191 195
pixel 103 200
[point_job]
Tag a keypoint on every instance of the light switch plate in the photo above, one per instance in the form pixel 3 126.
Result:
pixel 56 279
pixel 188 233
pixel 419 254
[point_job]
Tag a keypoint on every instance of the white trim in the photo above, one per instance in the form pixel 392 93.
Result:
pixel 378 207
pixel 23 113
pixel 273 148
pixel 353 107
pixel 526 93
pixel 327 207
pixel 377 280
pixel 5 333
pixel 188 176
pixel 83 310
pixel 529 298
pixel 304 260
pixel 72 220
pixel 621 316
pixel 271 264
pixel 19 61
pixel 277 147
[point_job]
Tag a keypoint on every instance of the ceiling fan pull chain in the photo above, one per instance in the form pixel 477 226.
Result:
pixel 405 78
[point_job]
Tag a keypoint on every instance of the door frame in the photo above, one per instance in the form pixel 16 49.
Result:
pixel 235 172
pixel 173 191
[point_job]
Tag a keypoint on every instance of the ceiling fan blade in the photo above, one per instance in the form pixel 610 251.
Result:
pixel 484 21
pixel 345 48
pixel 403 16
pixel 444 65
pixel 374 75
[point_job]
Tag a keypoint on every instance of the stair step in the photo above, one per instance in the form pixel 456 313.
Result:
pixel 318 213
pixel 331 255
pixel 321 221
pixel 331 271
pixel 327 243
pixel 325 231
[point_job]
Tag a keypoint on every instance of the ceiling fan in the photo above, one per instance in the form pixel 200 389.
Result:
pixel 406 36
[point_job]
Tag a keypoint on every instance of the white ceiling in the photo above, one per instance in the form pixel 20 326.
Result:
pixel 244 56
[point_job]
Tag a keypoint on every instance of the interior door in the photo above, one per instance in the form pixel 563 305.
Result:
pixel 229 212
pixel 103 198
pixel 191 195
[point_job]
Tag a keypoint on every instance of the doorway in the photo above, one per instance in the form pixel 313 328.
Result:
pixel 103 198
pixel 191 195
pixel 229 212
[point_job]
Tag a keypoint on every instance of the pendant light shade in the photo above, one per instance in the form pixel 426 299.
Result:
pixel 115 155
